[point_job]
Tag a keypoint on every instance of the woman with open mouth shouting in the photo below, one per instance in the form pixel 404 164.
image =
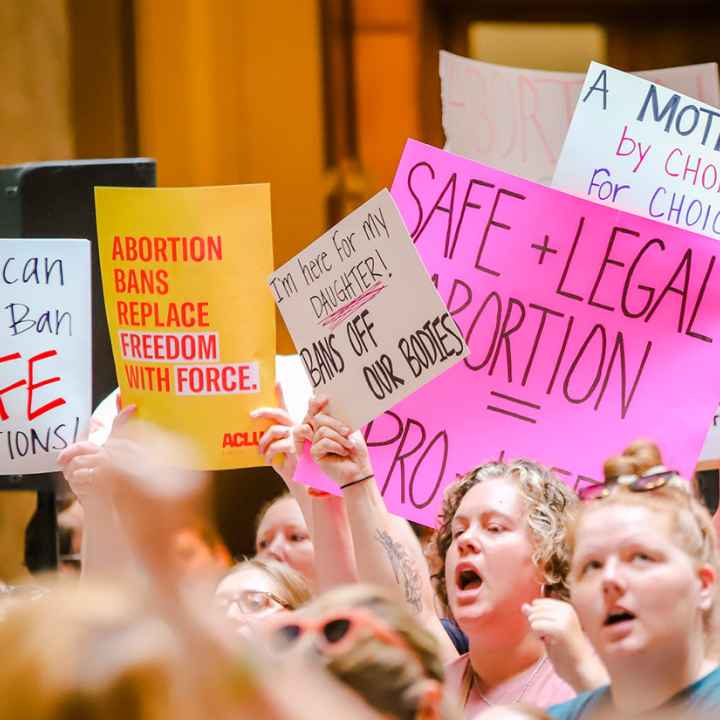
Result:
pixel 643 580
pixel 503 561
pixel 502 542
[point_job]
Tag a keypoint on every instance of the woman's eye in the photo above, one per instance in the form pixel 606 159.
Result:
pixel 457 533
pixel 591 565
pixel 641 557
pixel 495 528
pixel 257 603
pixel 262 544
pixel 298 537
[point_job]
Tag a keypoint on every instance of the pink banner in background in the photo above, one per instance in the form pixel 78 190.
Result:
pixel 588 327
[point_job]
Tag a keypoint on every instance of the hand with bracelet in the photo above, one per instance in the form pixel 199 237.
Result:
pixel 386 550
pixel 341 454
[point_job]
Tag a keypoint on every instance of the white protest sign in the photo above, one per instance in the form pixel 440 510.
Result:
pixel 517 119
pixel 290 373
pixel 711 447
pixel 45 351
pixel 643 148
pixel 367 321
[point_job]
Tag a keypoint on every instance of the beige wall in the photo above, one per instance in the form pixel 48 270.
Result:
pixel 230 91
pixel 387 63
pixel 35 117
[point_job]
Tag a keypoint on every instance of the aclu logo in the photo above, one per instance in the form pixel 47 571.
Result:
pixel 241 439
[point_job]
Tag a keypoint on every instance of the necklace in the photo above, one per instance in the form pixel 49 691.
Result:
pixel 471 678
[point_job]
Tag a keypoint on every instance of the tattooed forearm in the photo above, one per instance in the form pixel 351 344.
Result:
pixel 406 574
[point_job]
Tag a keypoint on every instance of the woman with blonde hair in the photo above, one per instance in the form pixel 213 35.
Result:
pixel 503 562
pixel 644 581
pixel 372 644
pixel 256 589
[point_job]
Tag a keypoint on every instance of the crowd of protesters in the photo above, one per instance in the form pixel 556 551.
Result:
pixel 526 602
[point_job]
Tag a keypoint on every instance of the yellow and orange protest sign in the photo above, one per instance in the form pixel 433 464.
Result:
pixel 191 321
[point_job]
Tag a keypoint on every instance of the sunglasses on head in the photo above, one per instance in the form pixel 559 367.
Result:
pixel 336 632
pixel 635 483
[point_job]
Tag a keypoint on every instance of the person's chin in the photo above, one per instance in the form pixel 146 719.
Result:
pixel 469 614
pixel 623 643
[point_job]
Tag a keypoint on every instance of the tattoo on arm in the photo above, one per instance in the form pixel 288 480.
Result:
pixel 406 573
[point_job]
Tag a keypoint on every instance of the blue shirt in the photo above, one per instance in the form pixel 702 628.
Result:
pixel 458 637
pixel 703 696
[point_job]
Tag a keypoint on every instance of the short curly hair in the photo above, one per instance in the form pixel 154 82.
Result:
pixel 550 505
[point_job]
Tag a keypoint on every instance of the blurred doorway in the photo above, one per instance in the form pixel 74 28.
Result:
pixel 564 34
pixel 564 47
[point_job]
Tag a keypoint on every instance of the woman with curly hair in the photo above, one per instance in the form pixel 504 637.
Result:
pixel 504 560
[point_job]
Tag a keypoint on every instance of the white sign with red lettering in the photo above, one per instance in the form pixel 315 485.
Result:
pixel 516 119
pixel 45 351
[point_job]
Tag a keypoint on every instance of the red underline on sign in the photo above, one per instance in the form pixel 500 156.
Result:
pixel 332 321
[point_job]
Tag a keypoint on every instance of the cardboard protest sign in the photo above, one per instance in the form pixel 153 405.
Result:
pixel 640 147
pixel 191 323
pixel 516 119
pixel 368 324
pixel 45 351
pixel 587 328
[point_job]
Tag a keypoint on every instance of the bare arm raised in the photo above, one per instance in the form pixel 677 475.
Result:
pixel 325 514
pixel 386 550
pixel 92 471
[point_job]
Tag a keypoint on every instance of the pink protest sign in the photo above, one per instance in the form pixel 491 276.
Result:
pixel 587 328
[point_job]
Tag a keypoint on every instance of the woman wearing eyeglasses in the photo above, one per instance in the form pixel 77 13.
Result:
pixel 255 590
pixel 330 536
pixel 643 579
